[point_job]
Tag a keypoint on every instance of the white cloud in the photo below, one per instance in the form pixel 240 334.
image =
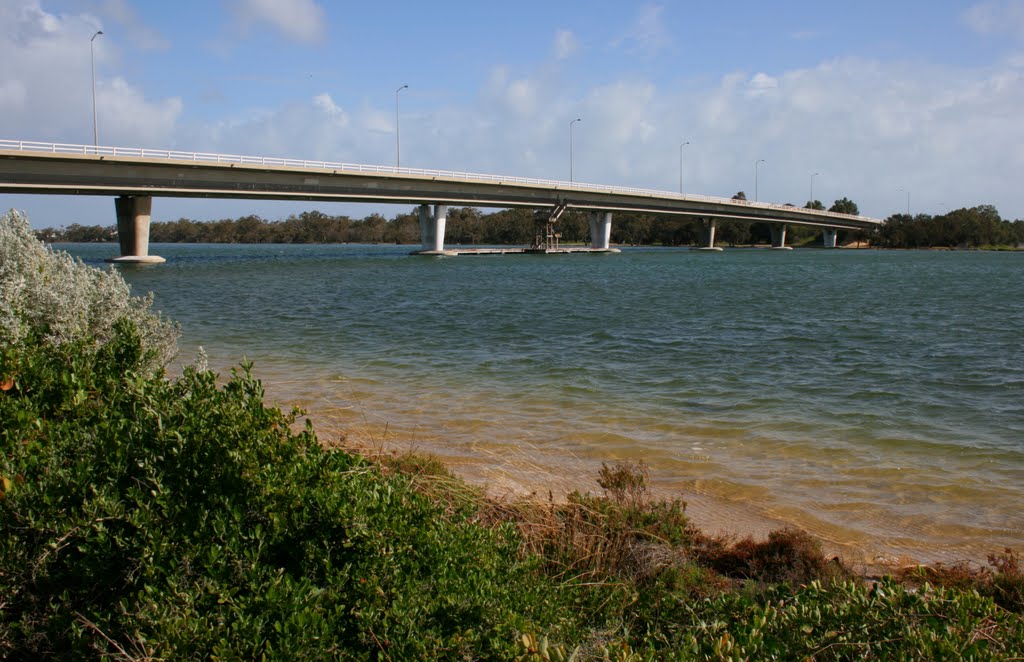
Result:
pixel 317 129
pixel 997 16
pixel 647 34
pixel 300 20
pixel 869 127
pixel 949 135
pixel 127 118
pixel 378 120
pixel 46 89
pixel 566 44
pixel 140 35
pixel 761 84
pixel 519 95
pixel 333 111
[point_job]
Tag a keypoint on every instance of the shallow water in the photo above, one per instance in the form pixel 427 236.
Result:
pixel 875 398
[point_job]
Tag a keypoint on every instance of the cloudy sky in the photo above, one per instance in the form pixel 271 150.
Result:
pixel 880 98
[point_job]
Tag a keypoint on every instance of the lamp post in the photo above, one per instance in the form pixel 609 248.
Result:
pixel 907 191
pixel 811 199
pixel 756 164
pixel 92 60
pixel 398 131
pixel 570 146
pixel 681 145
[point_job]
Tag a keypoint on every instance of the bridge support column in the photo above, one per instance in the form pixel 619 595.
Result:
pixel 829 235
pixel 133 215
pixel 600 230
pixel 778 231
pixel 707 235
pixel 432 230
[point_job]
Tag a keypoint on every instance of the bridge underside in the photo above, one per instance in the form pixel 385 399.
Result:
pixel 134 182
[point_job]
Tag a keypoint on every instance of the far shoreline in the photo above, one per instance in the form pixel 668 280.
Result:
pixel 811 246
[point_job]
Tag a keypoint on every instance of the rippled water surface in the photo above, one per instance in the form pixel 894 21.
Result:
pixel 875 398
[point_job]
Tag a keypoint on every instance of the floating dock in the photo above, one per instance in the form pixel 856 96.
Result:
pixel 517 251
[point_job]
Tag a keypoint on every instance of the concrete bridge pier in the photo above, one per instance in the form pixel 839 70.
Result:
pixel 432 230
pixel 600 230
pixel 133 215
pixel 778 231
pixel 830 237
pixel 707 235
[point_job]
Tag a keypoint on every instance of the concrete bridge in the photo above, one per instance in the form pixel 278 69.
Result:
pixel 135 176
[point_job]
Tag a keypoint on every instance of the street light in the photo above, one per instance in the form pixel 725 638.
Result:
pixel 681 145
pixel 92 59
pixel 756 163
pixel 570 146
pixel 907 191
pixel 811 199
pixel 398 131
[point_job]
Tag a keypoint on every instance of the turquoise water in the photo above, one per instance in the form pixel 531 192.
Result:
pixel 875 398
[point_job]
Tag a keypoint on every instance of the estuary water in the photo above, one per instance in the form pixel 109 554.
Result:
pixel 874 398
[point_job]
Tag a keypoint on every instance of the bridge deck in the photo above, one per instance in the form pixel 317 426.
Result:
pixel 50 168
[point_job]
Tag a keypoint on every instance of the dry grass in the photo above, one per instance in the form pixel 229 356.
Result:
pixel 623 535
pixel 627 536
pixel 787 555
pixel 1002 579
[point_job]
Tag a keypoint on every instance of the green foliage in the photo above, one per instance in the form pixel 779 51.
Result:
pixel 46 296
pixel 977 227
pixel 145 518
pixel 845 206
pixel 841 621
pixel 465 226
pixel 183 519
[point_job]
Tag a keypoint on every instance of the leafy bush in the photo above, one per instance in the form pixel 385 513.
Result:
pixel 180 519
pixel 47 296
pixel 145 518
pixel 1003 580
pixel 844 621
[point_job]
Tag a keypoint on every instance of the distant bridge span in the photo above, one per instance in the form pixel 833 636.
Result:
pixel 134 176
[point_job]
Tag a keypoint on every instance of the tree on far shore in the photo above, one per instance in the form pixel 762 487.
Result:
pixel 845 206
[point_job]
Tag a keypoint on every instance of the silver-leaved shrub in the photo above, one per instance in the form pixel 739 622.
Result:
pixel 48 296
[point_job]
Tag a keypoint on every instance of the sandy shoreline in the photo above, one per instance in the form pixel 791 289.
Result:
pixel 520 477
pixel 521 469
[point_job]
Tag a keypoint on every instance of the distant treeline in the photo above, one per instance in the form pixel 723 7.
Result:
pixel 980 226
pixel 977 227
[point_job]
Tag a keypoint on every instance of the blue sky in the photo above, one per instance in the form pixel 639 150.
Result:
pixel 879 98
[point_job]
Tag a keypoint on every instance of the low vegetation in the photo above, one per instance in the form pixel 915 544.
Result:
pixel 976 227
pixel 151 518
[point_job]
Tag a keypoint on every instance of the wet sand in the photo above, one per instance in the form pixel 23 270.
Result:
pixel 522 474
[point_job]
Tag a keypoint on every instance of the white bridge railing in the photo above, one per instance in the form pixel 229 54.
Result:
pixel 207 157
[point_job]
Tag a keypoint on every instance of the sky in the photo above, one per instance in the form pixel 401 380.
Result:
pixel 884 100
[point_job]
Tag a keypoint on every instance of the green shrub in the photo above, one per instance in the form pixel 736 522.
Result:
pixel 47 296
pixel 182 519
pixel 145 518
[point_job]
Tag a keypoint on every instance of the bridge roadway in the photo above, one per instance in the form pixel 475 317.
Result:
pixel 134 176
